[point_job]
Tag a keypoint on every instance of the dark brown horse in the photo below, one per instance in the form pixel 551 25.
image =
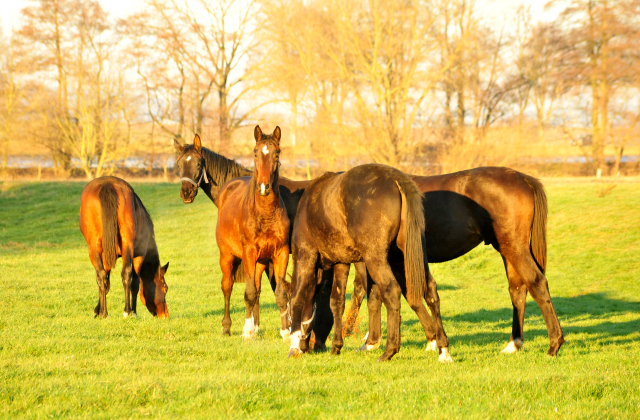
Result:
pixel 500 207
pixel 115 224
pixel 253 227
pixel 360 216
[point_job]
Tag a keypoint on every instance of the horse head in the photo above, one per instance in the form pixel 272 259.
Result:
pixel 191 167
pixel 153 293
pixel 266 159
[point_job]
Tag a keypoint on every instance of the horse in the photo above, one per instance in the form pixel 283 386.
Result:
pixel 202 169
pixel 253 227
pixel 460 214
pixel 500 207
pixel 359 216
pixel 115 223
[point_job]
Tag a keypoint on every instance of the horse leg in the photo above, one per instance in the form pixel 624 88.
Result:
pixel 383 276
pixel 228 265
pixel 340 275
pixel 374 305
pixel 127 279
pixel 103 281
pixel 518 293
pixel 537 285
pixel 359 290
pixel 256 308
pixel 303 286
pixel 323 317
pixel 249 257
pixel 280 261
pixel 433 301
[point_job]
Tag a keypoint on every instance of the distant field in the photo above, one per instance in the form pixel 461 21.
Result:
pixel 56 360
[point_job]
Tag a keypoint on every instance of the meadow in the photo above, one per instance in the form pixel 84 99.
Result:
pixel 56 360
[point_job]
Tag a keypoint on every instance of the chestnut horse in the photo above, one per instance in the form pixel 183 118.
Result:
pixel 360 216
pixel 253 227
pixel 115 224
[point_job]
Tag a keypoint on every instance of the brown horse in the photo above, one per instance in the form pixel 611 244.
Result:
pixel 253 227
pixel 361 215
pixel 115 224
pixel 500 207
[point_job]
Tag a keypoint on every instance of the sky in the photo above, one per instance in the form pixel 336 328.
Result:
pixel 495 10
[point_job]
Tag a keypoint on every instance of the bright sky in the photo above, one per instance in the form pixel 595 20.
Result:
pixel 496 10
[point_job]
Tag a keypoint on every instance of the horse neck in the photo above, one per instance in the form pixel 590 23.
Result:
pixel 220 170
pixel 151 262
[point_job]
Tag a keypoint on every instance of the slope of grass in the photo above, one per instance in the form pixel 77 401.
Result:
pixel 56 360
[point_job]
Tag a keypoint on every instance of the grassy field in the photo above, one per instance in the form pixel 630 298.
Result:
pixel 56 360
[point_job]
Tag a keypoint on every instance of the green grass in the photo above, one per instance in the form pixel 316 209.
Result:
pixel 56 360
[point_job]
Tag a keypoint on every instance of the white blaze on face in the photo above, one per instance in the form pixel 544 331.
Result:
pixel 188 158
pixel 265 150
pixel 262 188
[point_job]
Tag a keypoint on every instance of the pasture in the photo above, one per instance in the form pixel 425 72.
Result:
pixel 56 360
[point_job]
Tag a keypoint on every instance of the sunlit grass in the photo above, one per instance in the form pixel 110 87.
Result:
pixel 56 360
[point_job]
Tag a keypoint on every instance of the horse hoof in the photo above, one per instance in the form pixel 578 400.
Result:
pixel 432 346
pixel 295 353
pixel 386 356
pixel 369 347
pixel 513 346
pixel 319 347
pixel 445 357
pixel 286 336
pixel 335 351
pixel 129 315
pixel 226 331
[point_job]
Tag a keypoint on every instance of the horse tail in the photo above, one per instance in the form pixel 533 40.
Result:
pixel 411 237
pixel 109 205
pixel 538 244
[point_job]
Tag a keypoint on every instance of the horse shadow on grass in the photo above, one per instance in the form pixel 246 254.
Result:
pixel 241 309
pixel 570 310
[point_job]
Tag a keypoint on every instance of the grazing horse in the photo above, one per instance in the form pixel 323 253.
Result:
pixel 500 207
pixel 360 216
pixel 115 224
pixel 253 227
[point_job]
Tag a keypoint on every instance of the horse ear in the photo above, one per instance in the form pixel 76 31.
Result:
pixel 277 134
pixel 164 269
pixel 257 133
pixel 197 144
pixel 179 148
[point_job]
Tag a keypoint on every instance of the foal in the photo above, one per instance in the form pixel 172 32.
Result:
pixel 115 223
pixel 253 227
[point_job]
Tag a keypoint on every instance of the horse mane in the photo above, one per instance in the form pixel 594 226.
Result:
pixel 145 214
pixel 220 168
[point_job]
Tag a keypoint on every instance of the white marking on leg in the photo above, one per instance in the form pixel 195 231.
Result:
pixel 249 328
pixel 256 328
pixel 124 314
pixel 432 346
pixel 286 335
pixel 265 150
pixel 262 189
pixel 295 340
pixel 445 357
pixel 513 346
pixel 369 347
pixel 366 336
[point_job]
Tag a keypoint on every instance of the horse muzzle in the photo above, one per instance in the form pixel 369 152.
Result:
pixel 264 189
pixel 162 311
pixel 188 194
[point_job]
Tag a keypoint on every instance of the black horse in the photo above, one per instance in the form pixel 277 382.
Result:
pixel 360 216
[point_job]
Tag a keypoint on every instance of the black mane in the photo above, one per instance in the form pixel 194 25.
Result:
pixel 222 169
